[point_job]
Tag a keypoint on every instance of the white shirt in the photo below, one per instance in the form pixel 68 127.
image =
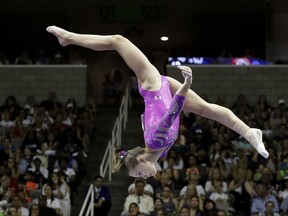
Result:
pixel 199 189
pixel 147 187
pixel 216 196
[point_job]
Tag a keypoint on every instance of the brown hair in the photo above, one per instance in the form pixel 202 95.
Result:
pixel 129 160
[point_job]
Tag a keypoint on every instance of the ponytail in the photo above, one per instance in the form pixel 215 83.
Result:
pixel 126 158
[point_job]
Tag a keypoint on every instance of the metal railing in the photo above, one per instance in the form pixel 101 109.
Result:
pixel 116 138
pixel 106 164
pixel 90 204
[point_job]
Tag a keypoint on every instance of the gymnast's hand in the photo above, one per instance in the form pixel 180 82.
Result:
pixel 186 73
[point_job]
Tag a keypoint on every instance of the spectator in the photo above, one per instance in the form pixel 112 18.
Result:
pixel 40 172
pixel 158 204
pixel 148 189
pixel 44 210
pixel 219 197
pixel 17 203
pixel 102 199
pixel 23 59
pixel 41 58
pixel 145 202
pixel 184 199
pixel 221 213
pixel 209 207
pixel 194 182
pixel 169 202
pixel 52 105
pixel 242 190
pixel 29 106
pixel 34 210
pixel 3 59
pixel 215 177
pixel 258 202
pixel 196 206
pixel 185 211
pixel 133 210
pixel 269 209
pixel 11 106
pixel 52 202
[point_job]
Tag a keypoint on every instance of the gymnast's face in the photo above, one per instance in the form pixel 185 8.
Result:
pixel 144 169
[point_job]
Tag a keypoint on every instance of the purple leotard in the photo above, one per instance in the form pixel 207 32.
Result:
pixel 161 116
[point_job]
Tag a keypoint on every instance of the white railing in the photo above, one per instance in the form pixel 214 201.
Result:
pixel 89 204
pixel 106 164
pixel 116 138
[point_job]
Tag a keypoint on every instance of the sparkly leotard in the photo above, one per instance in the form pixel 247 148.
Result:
pixel 161 116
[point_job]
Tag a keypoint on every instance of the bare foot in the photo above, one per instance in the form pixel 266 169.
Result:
pixel 61 34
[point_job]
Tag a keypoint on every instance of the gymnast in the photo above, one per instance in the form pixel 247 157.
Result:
pixel 164 99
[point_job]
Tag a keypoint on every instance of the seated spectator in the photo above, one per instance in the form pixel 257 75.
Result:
pixel 52 202
pixel 194 181
pixel 215 176
pixel 191 166
pixel 25 160
pixel 6 122
pixel 29 106
pixel 178 162
pixel 169 202
pixel 242 191
pixel 221 213
pixel 11 106
pixel 184 199
pixel 219 197
pixel 17 203
pixel 11 211
pixel 44 210
pixel 209 208
pixel 185 211
pixel 102 197
pixel 215 152
pixel 203 162
pixel 50 145
pixel 158 204
pixel 134 210
pixel 71 177
pixel 52 105
pixel 11 168
pixel 3 59
pixel 145 202
pixel 148 189
pixel 269 209
pixel 40 172
pixel 196 207
pixel 283 192
pixel 41 58
pixel 34 210
pixel 23 59
pixel 262 196
pixel 171 178
pixel 30 141
pixel 30 186
pixel 6 150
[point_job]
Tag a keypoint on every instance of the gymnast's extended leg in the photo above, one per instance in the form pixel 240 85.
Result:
pixel 197 105
pixel 148 76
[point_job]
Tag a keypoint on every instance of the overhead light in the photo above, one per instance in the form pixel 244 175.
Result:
pixel 164 38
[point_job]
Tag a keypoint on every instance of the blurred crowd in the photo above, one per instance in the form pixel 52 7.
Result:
pixel 211 170
pixel 43 149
